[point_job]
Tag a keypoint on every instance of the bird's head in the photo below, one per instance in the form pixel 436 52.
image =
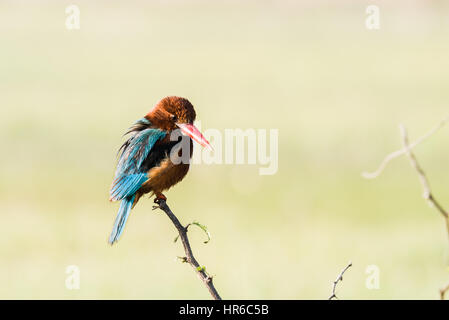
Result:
pixel 173 113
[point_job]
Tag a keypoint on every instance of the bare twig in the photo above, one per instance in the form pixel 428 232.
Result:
pixel 339 279
pixel 427 194
pixel 443 292
pixel 190 259
pixel 393 155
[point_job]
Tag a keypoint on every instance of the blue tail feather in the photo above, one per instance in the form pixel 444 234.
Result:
pixel 120 220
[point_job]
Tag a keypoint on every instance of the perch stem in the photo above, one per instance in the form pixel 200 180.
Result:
pixel 190 259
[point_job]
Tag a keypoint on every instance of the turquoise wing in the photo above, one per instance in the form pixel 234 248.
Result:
pixel 129 176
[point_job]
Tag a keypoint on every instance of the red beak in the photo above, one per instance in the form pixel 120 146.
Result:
pixel 194 133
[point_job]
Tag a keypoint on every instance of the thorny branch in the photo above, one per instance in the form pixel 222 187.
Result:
pixel 189 258
pixel 339 279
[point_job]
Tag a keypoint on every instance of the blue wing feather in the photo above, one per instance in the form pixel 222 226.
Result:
pixel 128 176
pixel 128 185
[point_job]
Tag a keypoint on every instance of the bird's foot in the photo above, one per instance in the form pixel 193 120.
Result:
pixel 159 198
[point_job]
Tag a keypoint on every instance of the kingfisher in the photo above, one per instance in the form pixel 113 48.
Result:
pixel 154 157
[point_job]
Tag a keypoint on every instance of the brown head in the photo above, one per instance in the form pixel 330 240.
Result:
pixel 170 111
pixel 173 113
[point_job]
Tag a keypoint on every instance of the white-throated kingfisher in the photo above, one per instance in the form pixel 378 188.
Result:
pixel 148 161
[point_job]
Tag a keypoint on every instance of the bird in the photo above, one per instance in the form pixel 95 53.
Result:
pixel 154 157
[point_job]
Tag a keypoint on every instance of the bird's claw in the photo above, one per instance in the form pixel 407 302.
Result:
pixel 158 200
pixel 159 197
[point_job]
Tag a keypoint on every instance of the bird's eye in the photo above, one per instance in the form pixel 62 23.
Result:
pixel 174 118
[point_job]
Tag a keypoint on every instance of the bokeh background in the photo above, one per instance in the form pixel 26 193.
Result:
pixel 335 90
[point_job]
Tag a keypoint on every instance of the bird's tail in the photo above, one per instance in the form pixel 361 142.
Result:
pixel 120 220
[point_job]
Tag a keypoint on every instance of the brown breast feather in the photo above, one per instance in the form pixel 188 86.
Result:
pixel 164 176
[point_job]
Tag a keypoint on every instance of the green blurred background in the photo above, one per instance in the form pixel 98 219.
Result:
pixel 335 90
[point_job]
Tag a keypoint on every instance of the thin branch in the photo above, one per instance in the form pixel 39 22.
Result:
pixel 393 155
pixel 427 194
pixel 423 178
pixel 443 292
pixel 427 191
pixel 339 279
pixel 189 258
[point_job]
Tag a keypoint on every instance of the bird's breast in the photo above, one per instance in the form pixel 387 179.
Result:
pixel 167 164
pixel 164 176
